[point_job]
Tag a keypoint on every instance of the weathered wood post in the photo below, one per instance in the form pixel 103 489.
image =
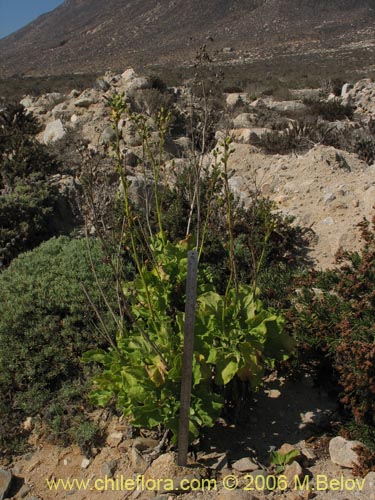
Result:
pixel 187 359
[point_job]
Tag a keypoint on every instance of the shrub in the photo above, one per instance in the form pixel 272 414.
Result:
pixel 20 154
pixel 329 110
pixel 334 321
pixel 45 326
pixel 28 203
pixel 26 218
pixel 365 149
pixel 297 137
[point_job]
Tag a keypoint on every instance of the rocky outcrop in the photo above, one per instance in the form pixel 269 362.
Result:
pixel 325 190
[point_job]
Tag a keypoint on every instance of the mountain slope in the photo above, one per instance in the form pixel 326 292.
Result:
pixel 86 35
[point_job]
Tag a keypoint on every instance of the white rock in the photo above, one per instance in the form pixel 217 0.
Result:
pixel 27 102
pixel 342 452
pixel 85 463
pixel 53 132
pixel 128 74
pixel 245 465
pixel 346 89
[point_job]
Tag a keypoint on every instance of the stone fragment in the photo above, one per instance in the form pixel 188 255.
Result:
pixel 245 465
pixel 143 444
pixel 28 424
pixel 369 485
pixel 109 468
pixel 137 461
pixel 235 495
pixel 24 491
pixel 114 439
pixel 5 483
pixel 342 452
pixel 292 471
pixel 85 463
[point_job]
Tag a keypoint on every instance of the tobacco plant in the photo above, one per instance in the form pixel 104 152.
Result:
pixel 236 336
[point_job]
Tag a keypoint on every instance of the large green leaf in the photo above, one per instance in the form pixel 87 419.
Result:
pixel 226 369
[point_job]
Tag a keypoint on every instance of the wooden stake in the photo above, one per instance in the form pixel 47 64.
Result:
pixel 187 359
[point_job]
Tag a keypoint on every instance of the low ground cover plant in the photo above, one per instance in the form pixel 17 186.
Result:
pixel 46 324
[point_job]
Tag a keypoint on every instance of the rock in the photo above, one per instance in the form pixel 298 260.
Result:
pixel 114 439
pixel 109 468
pixel 128 74
pixel 143 444
pixel 84 102
pixel 28 424
pixel 327 198
pixel 107 136
pixel 258 103
pixel 235 495
pixel 286 106
pixel 235 99
pixel 138 463
pixel 245 465
pixel 369 486
pixel 139 83
pixel 62 112
pixel 131 82
pixel 5 483
pixel 53 132
pixel 244 120
pixel 215 461
pixel 131 159
pixel 27 102
pixel 258 472
pixel 342 452
pixel 272 393
pixel 85 463
pixel 24 491
pixel 48 101
pixel 292 471
pixel 308 455
pixel 346 88
pixel 102 84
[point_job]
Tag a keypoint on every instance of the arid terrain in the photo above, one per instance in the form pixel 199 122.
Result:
pixel 280 35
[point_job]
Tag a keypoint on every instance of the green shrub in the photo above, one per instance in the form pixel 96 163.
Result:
pixel 26 217
pixel 20 153
pixel 28 202
pixel 45 326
